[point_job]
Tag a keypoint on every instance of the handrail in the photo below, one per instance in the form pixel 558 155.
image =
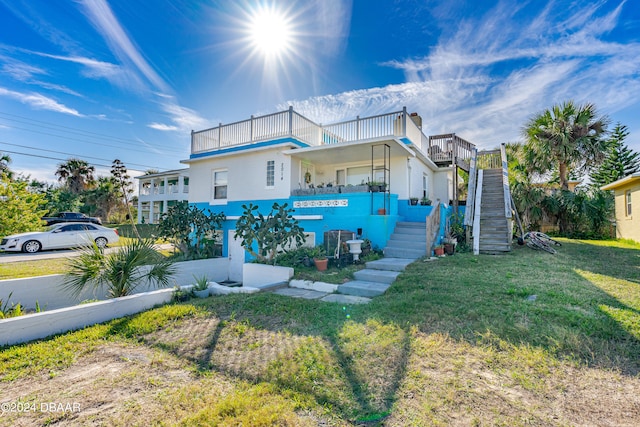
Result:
pixel 432 226
pixel 471 193
pixel 476 215
pixel 505 181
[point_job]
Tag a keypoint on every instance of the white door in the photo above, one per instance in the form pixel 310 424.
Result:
pixel 236 257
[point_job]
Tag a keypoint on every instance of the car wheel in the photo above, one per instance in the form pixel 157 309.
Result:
pixel 101 242
pixel 32 246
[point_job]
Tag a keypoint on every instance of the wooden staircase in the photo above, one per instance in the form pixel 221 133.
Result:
pixel 495 228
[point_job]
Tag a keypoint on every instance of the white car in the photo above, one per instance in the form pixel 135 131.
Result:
pixel 60 236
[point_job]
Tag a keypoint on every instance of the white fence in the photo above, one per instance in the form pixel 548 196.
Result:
pixel 62 314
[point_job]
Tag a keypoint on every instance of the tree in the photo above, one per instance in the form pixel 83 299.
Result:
pixel 192 230
pixel 105 197
pixel 76 174
pixel 565 138
pixel 619 161
pixel 123 181
pixel 271 233
pixel 4 165
pixel 20 209
pixel 120 272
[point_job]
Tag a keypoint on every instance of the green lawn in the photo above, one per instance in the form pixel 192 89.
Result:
pixel 526 338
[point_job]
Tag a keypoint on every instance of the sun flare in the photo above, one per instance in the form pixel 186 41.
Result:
pixel 270 32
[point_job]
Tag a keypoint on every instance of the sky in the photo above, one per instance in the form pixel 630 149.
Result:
pixel 106 79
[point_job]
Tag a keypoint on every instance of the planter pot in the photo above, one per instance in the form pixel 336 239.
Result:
pixel 449 248
pixel 413 202
pixel 321 264
pixel 202 294
pixel 382 211
pixel 439 251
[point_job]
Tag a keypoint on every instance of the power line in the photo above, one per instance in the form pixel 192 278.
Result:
pixel 47 157
pixel 72 154
pixel 72 130
pixel 84 141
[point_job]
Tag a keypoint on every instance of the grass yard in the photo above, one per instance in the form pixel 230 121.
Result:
pixel 522 339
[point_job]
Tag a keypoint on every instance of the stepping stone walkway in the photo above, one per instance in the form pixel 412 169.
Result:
pixel 370 282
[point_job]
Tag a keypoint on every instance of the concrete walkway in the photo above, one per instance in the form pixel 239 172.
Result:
pixel 370 282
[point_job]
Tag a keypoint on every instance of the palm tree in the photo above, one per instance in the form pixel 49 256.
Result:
pixel 566 137
pixel 121 272
pixel 77 175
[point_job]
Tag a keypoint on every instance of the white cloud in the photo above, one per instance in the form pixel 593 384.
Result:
pixel 163 127
pixel 105 22
pixel 486 79
pixel 39 101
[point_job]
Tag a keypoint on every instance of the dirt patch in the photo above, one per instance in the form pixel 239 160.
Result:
pixel 454 383
pixel 117 384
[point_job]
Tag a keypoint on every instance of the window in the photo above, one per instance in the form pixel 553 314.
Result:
pixel 425 186
pixel 271 173
pixel 627 197
pixel 220 185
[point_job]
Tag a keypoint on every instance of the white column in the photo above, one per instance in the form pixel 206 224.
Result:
pixel 151 203
pixel 180 185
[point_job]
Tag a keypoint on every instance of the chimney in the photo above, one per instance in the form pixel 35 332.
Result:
pixel 416 119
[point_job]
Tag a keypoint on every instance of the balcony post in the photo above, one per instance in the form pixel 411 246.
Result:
pixel 290 120
pixel 251 129
pixel 357 127
pixel 219 135
pixel 404 121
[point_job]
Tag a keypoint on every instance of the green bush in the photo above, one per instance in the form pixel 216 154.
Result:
pixel 147 231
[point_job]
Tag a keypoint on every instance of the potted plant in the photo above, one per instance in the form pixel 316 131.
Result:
pixel 413 201
pixel 425 201
pixel 320 258
pixel 439 250
pixel 201 288
pixel 449 246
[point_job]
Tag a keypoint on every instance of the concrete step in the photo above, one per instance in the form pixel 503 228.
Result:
pixel 361 288
pixel 300 293
pixel 407 224
pixel 389 264
pixel 417 237
pixel 412 231
pixel 381 276
pixel 404 253
pixel 407 244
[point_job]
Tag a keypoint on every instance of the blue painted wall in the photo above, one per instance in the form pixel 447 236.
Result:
pixel 357 214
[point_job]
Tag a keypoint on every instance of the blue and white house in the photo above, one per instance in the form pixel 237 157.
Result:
pixel 357 175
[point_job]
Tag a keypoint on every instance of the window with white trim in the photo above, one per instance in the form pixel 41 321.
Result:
pixel 627 197
pixel 220 184
pixel 271 173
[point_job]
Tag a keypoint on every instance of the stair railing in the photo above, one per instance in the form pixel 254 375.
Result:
pixel 433 227
pixel 507 192
pixel 476 215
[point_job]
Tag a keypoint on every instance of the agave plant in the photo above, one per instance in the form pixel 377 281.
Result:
pixel 120 272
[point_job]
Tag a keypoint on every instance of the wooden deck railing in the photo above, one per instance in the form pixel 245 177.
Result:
pixel 448 147
pixel 489 159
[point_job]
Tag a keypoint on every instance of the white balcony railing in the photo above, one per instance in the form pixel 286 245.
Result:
pixel 291 124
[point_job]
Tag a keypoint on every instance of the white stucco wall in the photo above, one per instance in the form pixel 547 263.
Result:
pixel 247 175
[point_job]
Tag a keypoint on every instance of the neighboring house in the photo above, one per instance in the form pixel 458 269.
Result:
pixel 159 191
pixel 322 172
pixel 627 194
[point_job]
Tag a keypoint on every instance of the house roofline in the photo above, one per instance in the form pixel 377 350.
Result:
pixel 169 172
pixel 246 148
pixel 623 181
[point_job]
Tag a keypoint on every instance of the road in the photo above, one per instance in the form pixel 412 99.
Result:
pixel 9 257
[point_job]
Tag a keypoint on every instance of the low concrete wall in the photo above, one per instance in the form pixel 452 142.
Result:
pixel 47 291
pixel 40 325
pixel 260 275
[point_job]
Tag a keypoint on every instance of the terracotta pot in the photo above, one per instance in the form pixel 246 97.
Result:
pixel 439 251
pixel 382 211
pixel 321 264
